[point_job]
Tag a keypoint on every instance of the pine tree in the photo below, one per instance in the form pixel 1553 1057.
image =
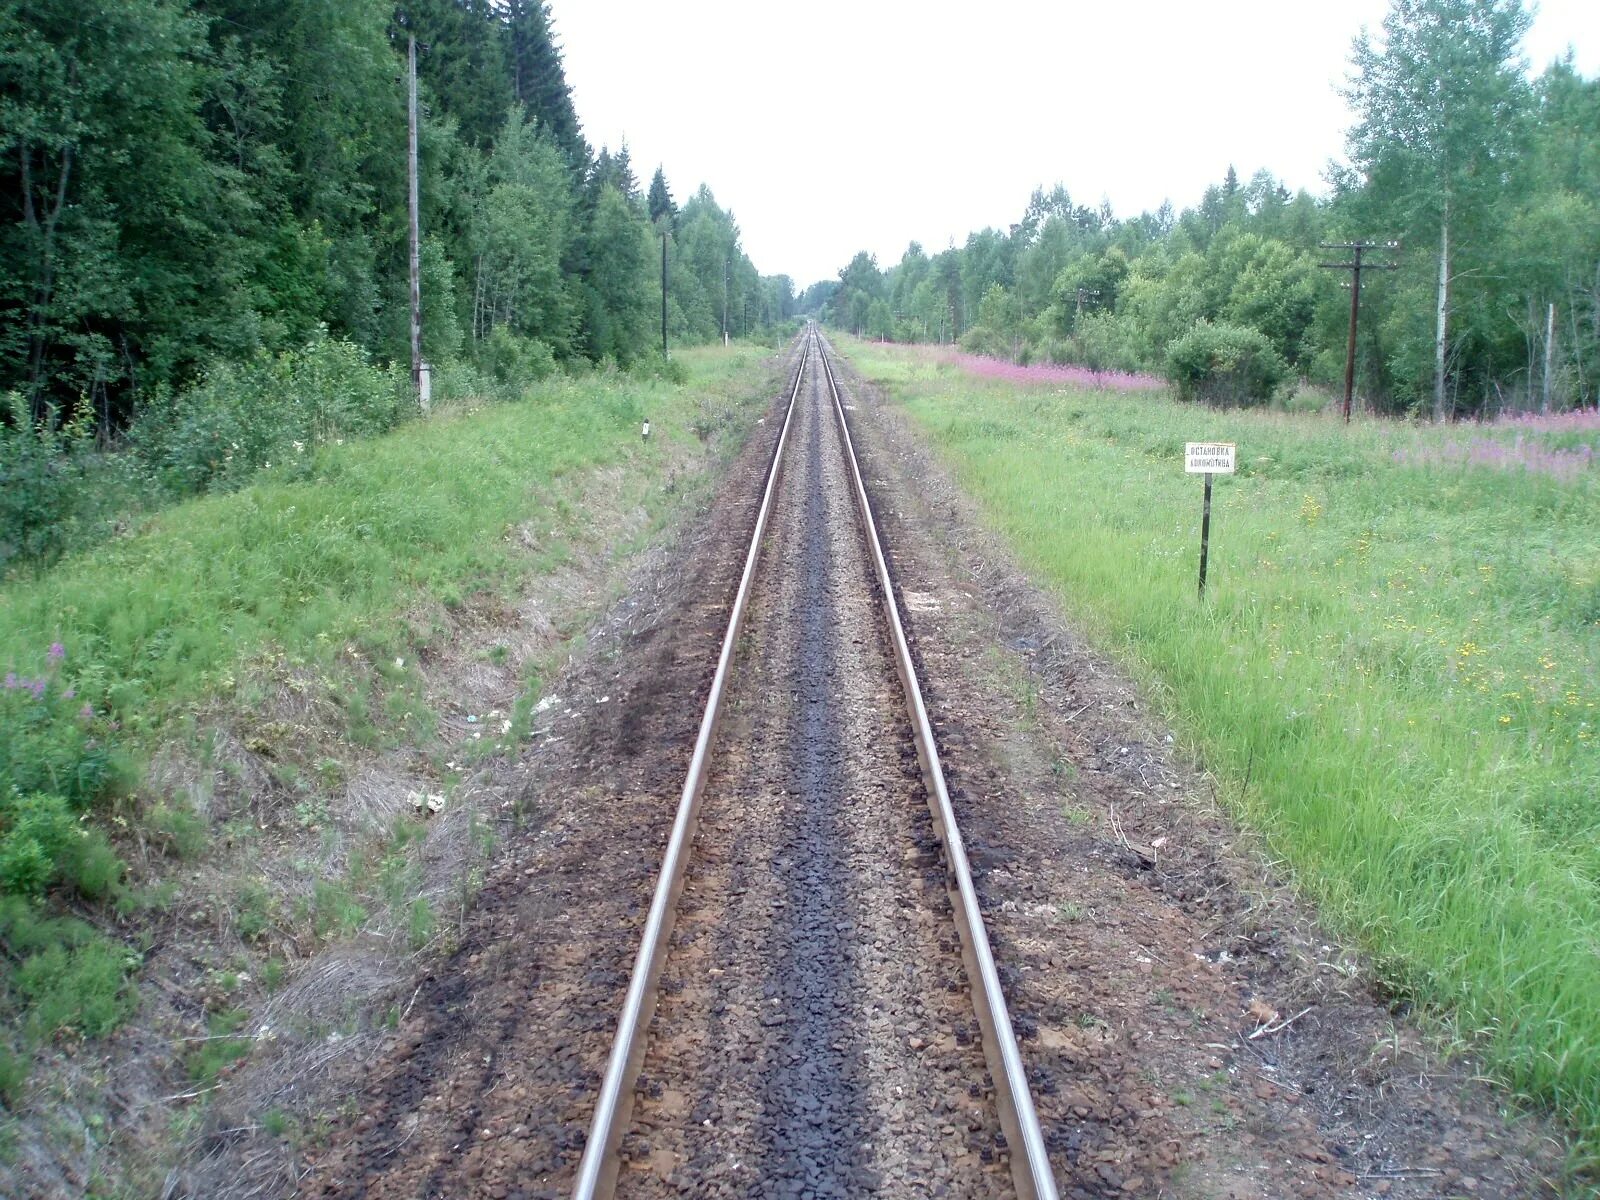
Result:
pixel 538 80
pixel 660 204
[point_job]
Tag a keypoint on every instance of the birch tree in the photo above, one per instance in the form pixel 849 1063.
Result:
pixel 1441 102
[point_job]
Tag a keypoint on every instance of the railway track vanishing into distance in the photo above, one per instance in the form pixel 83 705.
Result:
pixel 814 1008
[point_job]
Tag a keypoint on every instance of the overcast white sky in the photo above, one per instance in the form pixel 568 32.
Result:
pixel 845 125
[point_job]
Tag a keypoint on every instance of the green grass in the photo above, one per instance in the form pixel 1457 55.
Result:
pixel 1404 660
pixel 309 557
pixel 310 564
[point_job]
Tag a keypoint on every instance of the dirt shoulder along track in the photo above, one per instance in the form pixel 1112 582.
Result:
pixel 1189 1031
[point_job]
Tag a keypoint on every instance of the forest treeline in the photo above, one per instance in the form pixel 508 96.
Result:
pixel 204 251
pixel 1488 179
pixel 191 182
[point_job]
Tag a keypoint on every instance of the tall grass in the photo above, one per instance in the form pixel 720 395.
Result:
pixel 1400 643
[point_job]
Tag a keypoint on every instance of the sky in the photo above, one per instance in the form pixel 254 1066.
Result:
pixel 845 125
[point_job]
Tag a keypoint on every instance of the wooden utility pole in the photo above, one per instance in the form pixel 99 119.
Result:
pixel 724 300
pixel 1084 294
pixel 663 296
pixel 1355 267
pixel 416 224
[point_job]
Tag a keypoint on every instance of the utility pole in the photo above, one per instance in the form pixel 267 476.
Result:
pixel 724 300
pixel 416 225
pixel 1084 293
pixel 664 354
pixel 1355 267
pixel 1549 353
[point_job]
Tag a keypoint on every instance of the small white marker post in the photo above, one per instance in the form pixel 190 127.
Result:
pixel 1208 459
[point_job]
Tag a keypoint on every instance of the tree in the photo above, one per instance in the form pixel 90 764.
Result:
pixel 538 80
pixel 1440 106
pixel 521 236
pixel 659 202
pixel 619 287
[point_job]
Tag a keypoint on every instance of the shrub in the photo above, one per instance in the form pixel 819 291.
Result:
pixel 515 361
pixel 990 343
pixel 1106 342
pixel 275 408
pixel 41 474
pixel 1225 366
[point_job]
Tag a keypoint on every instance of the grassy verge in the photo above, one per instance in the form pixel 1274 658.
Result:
pixel 1400 650
pixel 305 579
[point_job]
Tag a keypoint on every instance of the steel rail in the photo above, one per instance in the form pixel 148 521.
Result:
pixel 1030 1165
pixel 597 1169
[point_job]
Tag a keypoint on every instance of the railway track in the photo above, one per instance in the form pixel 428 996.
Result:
pixel 814 1008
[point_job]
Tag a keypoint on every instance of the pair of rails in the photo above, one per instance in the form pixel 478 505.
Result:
pixel 1030 1167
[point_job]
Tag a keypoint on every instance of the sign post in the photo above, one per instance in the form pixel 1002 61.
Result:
pixel 1208 459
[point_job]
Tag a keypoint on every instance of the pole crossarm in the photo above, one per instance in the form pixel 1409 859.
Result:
pixel 1355 267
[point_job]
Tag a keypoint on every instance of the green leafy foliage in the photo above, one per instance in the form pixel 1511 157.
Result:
pixel 1225 366
pixel 42 469
pixel 68 978
pixel 277 408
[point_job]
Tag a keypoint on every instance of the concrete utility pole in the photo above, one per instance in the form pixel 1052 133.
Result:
pixel 1355 267
pixel 1549 353
pixel 416 224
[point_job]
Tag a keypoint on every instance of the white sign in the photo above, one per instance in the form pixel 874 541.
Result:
pixel 1208 458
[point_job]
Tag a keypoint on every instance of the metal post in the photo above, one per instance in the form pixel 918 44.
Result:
pixel 416 225
pixel 1205 535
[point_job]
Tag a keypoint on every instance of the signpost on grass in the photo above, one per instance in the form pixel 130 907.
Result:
pixel 1208 459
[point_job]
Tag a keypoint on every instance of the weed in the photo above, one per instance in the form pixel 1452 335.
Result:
pixel 273 972
pixel 252 910
pixel 421 922
pixel 335 912
pixel 276 1123
pixel 223 1046
pixel 14 1068
pixel 181 830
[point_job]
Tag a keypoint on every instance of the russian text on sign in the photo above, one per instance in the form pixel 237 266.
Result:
pixel 1208 458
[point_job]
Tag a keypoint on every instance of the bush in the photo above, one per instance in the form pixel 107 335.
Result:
pixel 990 343
pixel 515 361
pixel 41 474
pixel 243 417
pixel 1225 365
pixel 1106 342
